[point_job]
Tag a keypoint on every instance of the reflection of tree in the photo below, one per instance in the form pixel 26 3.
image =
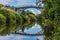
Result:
pixel 18 21
pixel 2 22
pixel 33 19
pixel 28 19
pixel 12 21
pixel 39 19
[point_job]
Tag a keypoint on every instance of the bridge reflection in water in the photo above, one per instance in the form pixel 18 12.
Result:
pixel 36 31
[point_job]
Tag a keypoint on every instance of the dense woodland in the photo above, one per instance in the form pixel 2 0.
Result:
pixel 49 19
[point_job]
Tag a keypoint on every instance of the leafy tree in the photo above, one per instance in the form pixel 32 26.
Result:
pixel 29 19
pixel 32 17
pixel 51 19
pixel 39 19
pixel 2 22
pixel 10 21
pixel 25 20
pixel 18 21
pixel 1 5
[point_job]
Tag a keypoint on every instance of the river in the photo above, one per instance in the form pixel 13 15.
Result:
pixel 36 29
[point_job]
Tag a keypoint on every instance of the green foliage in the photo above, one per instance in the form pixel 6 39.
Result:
pixel 28 19
pixel 39 19
pixel 2 22
pixel 33 19
pixel 12 21
pixel 1 5
pixel 18 21
pixel 25 20
pixel 51 19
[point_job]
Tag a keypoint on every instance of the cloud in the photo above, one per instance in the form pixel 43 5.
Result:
pixel 17 2
pixel 25 2
pixel 22 1
pixel 4 1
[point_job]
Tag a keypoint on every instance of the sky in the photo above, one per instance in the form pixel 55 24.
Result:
pixel 21 3
pixel 35 29
pixel 18 2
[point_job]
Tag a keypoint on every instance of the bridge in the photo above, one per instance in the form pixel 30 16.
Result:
pixel 21 8
pixel 37 6
pixel 25 7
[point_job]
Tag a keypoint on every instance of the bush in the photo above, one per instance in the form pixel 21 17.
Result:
pixel 51 19
pixel 25 18
pixel 33 19
pixel 18 21
pixel 39 19
pixel 1 5
pixel 25 21
pixel 2 23
pixel 10 20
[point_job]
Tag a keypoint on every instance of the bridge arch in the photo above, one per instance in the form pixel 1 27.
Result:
pixel 34 10
pixel 38 9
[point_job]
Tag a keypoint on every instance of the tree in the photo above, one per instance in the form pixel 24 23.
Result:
pixel 1 5
pixel 2 22
pixel 39 19
pixel 15 21
pixel 25 20
pixel 32 17
pixel 51 19
pixel 10 20
pixel 29 19
pixel 18 21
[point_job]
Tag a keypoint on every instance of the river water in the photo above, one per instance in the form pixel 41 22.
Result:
pixel 36 29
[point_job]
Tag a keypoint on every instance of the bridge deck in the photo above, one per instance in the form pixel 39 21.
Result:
pixel 24 7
